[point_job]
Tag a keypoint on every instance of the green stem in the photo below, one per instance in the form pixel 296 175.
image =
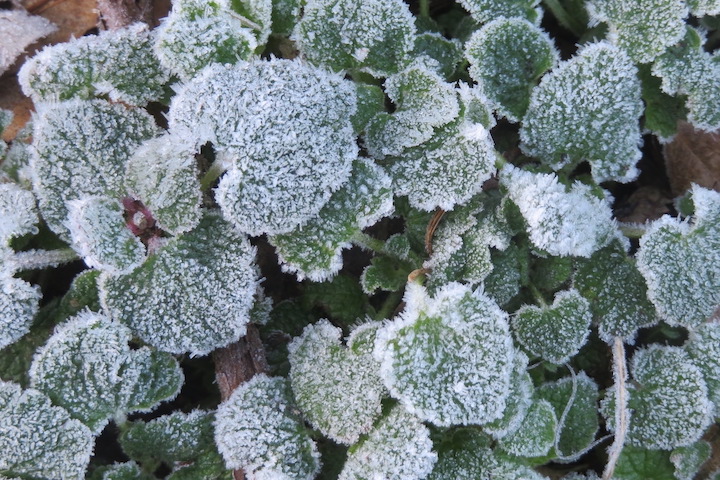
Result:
pixel 425 8
pixel 389 305
pixel 632 230
pixel 500 162
pixel 39 259
pixel 564 18
pixel 537 294
pixel 213 173
pixel 368 243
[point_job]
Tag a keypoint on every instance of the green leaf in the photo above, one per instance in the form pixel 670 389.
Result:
pixel 703 346
pixel 510 271
pixel 484 11
pixel 617 293
pixel 163 175
pixel 88 368
pixel 448 359
pixel 285 15
pixel 644 29
pixel 575 402
pixel 687 69
pixel 342 298
pixel 587 109
pixel 39 439
pixel 638 463
pixel 337 388
pixel 117 63
pixel 125 471
pixel 314 250
pixel 385 273
pixel 662 111
pixel 507 57
pixel 282 129
pixel 17 209
pixel 193 295
pixel 700 8
pixel 688 460
pixel 178 437
pixel 257 431
pixel 375 36
pixel 207 467
pixel 681 262
pixel 551 273
pixel 518 401
pixel 447 53
pixel 398 447
pixel 101 236
pixel 370 102
pixel 560 222
pixel 668 400
pixel 80 148
pixel 535 436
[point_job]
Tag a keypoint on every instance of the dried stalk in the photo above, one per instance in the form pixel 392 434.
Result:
pixel 115 14
pixel 621 410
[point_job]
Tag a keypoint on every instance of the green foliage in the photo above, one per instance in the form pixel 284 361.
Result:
pixel 688 460
pixel 638 463
pixel 484 11
pixel 18 305
pixel 341 298
pixel 17 209
pixel 257 431
pixel 205 307
pixel 536 434
pixel 681 262
pixel 587 109
pixel 116 63
pixel 507 57
pixel 662 111
pixel 703 346
pixel 40 439
pixel 88 368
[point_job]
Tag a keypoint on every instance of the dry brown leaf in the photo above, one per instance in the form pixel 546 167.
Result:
pixel 645 204
pixel 12 98
pixel 693 157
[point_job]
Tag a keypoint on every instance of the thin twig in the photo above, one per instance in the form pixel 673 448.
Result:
pixel 432 226
pixel 39 259
pixel 621 410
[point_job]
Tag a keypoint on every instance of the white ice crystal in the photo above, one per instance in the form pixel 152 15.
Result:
pixel 256 430
pixel 398 447
pixel 681 262
pixel 39 439
pixel 19 302
pixel 88 368
pixel 117 63
pixel 282 129
pixel 448 359
pixel 587 109
pixel 559 221
pixel 18 215
pixel 376 36
pixel 100 235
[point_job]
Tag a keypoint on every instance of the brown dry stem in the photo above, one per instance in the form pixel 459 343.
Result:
pixel 621 410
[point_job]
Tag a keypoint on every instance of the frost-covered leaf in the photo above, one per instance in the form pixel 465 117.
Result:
pixel 162 173
pixel 510 272
pixel 688 460
pixel 536 435
pixel 507 57
pixel 341 298
pixel 452 166
pixel 555 332
pixel 398 447
pixel 338 388
pixel 80 149
pixel 19 302
pixel 575 402
pixel 448 359
pixel 18 215
pixel 687 69
pixel 370 102
pixel 285 14
pixel 518 401
pixel 385 273
pixel 178 437
pixel 376 36
pixel 424 102
pixel 681 262
pixel 314 250
pixel 560 222
pixel 636 463
pixel 39 439
pixel 186 45
pixel 116 63
pixel 125 471
pixel 19 30
pixel 282 129
pixel 446 52
pixel 88 368
pixel 703 7
pixel 703 346
pixel 101 236
pixel 643 28
pixel 194 295
pixel 587 109
pixel 617 293
pixel 484 11
pixel 668 400
pixel 257 431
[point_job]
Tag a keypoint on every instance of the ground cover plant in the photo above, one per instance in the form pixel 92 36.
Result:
pixel 300 239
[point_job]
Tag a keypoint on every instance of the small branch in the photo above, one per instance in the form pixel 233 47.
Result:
pixel 116 14
pixel 389 306
pixel 368 243
pixel 621 410
pixel 564 18
pixel 425 8
pixel 432 226
pixel 213 173
pixel 39 259
pixel 632 230
pixel 537 295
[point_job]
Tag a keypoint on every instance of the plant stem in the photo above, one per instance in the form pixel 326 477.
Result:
pixel 213 173
pixel 564 18
pixel 39 259
pixel 621 410
pixel 632 230
pixel 425 8
pixel 368 243
pixel 537 294
pixel 389 305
